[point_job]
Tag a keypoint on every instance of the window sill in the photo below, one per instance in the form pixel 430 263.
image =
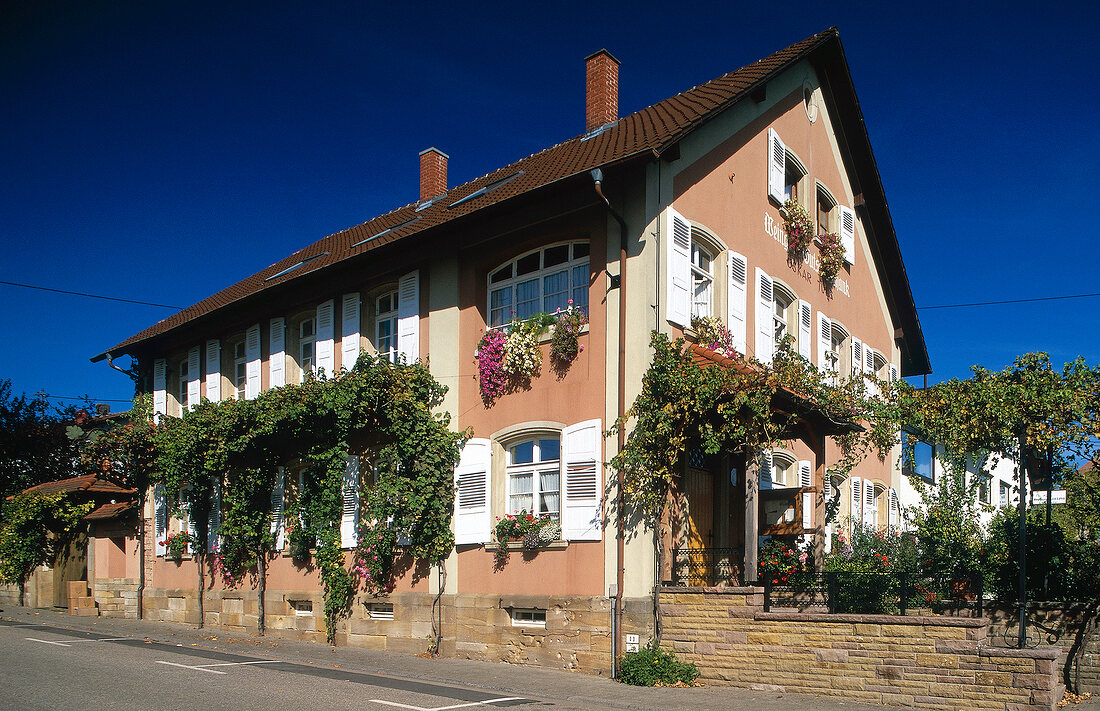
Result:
pixel 552 546
pixel 548 335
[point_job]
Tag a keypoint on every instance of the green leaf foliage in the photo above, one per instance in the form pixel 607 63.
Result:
pixel 36 529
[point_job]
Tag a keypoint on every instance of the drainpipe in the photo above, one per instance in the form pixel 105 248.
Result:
pixel 620 535
pixel 132 373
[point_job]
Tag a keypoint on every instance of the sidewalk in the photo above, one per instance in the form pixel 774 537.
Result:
pixel 559 686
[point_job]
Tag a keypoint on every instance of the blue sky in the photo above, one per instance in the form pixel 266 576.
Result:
pixel 162 151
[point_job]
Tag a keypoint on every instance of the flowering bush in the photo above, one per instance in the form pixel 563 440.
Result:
pixel 564 349
pixel 779 562
pixel 522 355
pixel 800 228
pixel 176 544
pixel 832 257
pixel 492 377
pixel 533 531
pixel 374 557
pixel 714 335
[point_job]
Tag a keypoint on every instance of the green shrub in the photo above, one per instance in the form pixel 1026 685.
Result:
pixel 652 665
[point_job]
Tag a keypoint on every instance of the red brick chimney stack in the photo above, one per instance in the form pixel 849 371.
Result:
pixel 433 173
pixel 601 105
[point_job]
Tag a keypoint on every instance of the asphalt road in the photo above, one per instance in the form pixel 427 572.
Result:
pixel 47 667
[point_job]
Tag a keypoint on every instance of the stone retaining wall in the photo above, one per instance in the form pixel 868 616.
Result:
pixel 925 662
pixel 116 597
pixel 1066 619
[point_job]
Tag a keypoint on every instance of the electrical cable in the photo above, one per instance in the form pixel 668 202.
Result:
pixel 90 399
pixel 1006 301
pixel 90 296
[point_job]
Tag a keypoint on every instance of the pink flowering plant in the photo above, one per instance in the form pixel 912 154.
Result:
pixel 510 356
pixel 832 257
pixel 799 227
pixel 373 564
pixel 564 348
pixel 176 544
pixel 492 377
pixel 714 335
pixel 534 532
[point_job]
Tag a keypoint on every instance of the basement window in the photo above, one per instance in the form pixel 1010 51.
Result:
pixel 528 617
pixel 302 608
pixel 380 610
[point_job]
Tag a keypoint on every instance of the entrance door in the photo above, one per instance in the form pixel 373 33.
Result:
pixel 699 487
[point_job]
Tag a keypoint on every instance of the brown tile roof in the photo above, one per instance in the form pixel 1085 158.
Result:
pixel 108 511
pixel 652 129
pixel 89 482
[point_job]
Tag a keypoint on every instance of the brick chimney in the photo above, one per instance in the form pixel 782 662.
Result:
pixel 601 104
pixel 433 173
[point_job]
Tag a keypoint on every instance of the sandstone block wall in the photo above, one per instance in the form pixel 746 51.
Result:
pixel 116 597
pixel 1066 619
pixel 924 662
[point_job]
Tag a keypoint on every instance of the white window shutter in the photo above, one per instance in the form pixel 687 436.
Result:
pixel 408 316
pixel 765 478
pixel 856 509
pixel 828 538
pixel 848 233
pixel 276 362
pixel 194 376
pixel 214 519
pixel 893 510
pixel 737 299
pixel 582 457
pixel 869 504
pixel 677 232
pixel 252 366
pixel 824 342
pixel 805 326
pixel 190 525
pixel 278 498
pixel 326 355
pixel 473 481
pixel 213 370
pixel 777 167
pixel 160 519
pixel 893 373
pixel 805 473
pixel 349 330
pixel 828 484
pixel 807 510
pixel 160 388
pixel 765 324
pixel 857 357
pixel 349 519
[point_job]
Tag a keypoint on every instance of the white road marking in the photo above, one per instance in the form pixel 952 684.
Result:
pixel 46 641
pixel 447 708
pixel 209 671
pixel 100 639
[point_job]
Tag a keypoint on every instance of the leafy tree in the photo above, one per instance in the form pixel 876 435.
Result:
pixel 34 447
pixel 38 528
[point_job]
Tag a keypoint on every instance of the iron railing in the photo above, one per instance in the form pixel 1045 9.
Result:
pixel 874 593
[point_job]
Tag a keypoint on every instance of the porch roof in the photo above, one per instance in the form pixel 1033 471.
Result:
pixel 784 400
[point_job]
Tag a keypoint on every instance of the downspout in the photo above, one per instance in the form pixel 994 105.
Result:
pixel 133 374
pixel 620 535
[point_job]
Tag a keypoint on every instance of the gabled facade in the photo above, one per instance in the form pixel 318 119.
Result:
pixel 643 222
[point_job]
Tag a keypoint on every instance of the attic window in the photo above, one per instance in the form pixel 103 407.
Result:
pixel 299 265
pixel 488 188
pixel 386 231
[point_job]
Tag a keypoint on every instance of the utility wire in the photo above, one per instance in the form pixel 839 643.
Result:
pixel 90 399
pixel 90 296
pixel 1006 301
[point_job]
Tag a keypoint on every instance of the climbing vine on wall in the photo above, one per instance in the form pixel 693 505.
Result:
pixel 684 405
pixel 382 410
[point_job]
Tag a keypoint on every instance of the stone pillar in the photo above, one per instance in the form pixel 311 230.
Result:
pixel 752 520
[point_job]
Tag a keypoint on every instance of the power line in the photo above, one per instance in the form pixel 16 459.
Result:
pixel 1006 301
pixel 89 399
pixel 90 296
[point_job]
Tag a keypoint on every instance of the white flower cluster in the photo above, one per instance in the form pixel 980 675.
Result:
pixel 522 355
pixel 550 532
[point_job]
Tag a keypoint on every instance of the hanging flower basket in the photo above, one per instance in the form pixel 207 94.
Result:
pixel 530 531
pixel 799 227
pixel 832 257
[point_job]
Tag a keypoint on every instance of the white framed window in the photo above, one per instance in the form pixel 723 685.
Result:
pixel 826 211
pixel 307 348
pixel 793 175
pixel 385 325
pixel 380 611
pixel 528 617
pixel 534 476
pixel 783 312
pixel 240 369
pixel 1002 494
pixel 784 470
pixel 702 279
pixel 183 379
pixel 543 280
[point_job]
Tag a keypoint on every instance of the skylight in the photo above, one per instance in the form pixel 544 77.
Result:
pixel 299 265
pixel 488 188
pixel 386 231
